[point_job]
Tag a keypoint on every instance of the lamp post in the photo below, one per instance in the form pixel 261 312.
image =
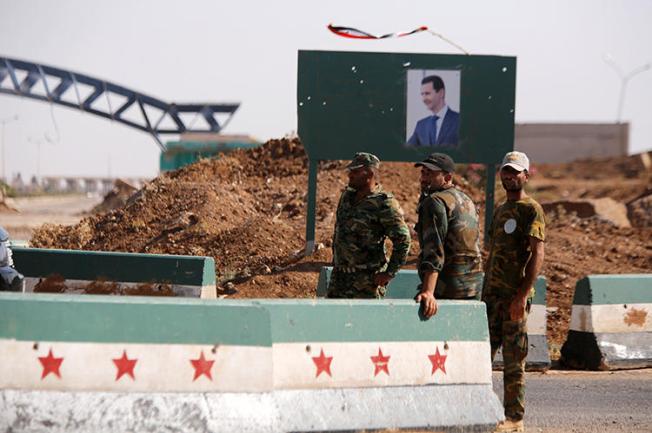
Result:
pixel 3 122
pixel 624 80
pixel 38 143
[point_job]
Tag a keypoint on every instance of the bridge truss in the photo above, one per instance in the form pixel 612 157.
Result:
pixel 111 101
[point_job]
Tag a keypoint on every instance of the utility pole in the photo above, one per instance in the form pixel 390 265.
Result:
pixel 38 143
pixel 624 80
pixel 3 122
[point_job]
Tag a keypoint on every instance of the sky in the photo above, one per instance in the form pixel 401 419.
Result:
pixel 246 51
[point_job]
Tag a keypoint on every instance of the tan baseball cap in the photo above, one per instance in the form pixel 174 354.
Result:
pixel 517 160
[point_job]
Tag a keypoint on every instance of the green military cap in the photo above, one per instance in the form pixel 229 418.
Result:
pixel 363 159
pixel 437 162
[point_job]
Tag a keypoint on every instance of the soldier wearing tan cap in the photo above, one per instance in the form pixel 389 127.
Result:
pixel 517 234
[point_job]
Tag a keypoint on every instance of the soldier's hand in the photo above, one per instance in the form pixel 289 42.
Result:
pixel 517 308
pixel 382 279
pixel 428 304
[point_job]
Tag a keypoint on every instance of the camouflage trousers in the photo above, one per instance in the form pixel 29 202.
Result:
pixel 512 336
pixel 359 284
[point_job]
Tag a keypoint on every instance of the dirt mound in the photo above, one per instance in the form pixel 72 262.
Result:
pixel 576 247
pixel 115 198
pixel 247 210
pixel 622 179
pixel 244 209
pixel 604 208
pixel 56 283
pixel 639 210
pixel 631 166
pixel 5 206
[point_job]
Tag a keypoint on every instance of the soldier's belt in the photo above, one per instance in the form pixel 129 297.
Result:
pixel 357 268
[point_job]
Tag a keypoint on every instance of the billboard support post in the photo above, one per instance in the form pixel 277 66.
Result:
pixel 489 200
pixel 311 206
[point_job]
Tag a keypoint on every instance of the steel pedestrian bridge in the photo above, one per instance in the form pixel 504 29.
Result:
pixel 110 100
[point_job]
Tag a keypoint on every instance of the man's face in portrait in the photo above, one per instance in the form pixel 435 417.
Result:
pixel 432 99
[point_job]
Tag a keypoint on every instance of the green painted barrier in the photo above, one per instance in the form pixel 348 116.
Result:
pixel 405 283
pixel 186 275
pixel 613 289
pixel 404 286
pixel 110 319
pixel 373 320
pixel 287 360
pixel 611 325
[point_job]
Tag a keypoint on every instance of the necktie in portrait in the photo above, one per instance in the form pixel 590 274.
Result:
pixel 432 139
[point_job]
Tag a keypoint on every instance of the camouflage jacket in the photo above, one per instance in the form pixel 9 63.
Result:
pixel 448 234
pixel 509 244
pixel 361 229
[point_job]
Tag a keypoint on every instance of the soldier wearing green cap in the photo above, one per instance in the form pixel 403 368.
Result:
pixel 516 253
pixel 366 216
pixel 449 262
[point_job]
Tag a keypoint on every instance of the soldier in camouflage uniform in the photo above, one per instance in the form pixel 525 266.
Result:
pixel 515 258
pixel 366 216
pixel 449 262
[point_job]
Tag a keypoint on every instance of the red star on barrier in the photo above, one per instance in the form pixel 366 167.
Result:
pixel 323 364
pixel 50 365
pixel 438 362
pixel 381 363
pixel 202 366
pixel 124 366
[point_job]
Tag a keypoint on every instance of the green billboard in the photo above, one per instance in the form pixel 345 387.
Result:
pixel 352 101
pixel 404 106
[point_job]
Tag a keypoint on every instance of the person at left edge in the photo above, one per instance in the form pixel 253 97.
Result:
pixel 10 278
pixel 366 216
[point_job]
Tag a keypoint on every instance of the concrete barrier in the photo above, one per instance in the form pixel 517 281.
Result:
pixel 101 363
pixel 185 275
pixel 404 286
pixel 610 326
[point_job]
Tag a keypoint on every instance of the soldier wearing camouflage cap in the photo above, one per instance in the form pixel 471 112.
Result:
pixel 449 262
pixel 516 253
pixel 366 216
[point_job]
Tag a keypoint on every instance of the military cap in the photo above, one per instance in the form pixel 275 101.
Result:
pixel 517 160
pixel 363 159
pixel 437 162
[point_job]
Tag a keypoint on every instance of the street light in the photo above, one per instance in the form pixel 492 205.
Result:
pixel 624 79
pixel 3 122
pixel 38 143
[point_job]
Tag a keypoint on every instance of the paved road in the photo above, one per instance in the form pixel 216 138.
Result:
pixel 587 402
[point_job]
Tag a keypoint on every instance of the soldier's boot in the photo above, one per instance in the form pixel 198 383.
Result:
pixel 510 425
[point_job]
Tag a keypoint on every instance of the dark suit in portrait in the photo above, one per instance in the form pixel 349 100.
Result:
pixel 425 131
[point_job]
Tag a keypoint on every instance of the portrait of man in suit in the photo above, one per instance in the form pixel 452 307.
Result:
pixel 441 128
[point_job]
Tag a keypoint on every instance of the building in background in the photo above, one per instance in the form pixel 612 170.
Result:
pixel 567 142
pixel 193 146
